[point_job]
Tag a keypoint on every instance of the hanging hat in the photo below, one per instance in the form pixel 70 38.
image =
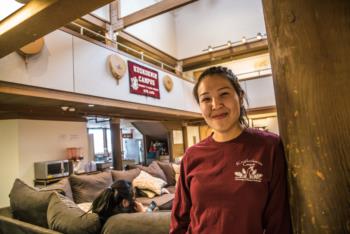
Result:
pixel 168 83
pixel 117 66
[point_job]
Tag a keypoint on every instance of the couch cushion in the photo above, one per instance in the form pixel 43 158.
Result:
pixel 62 185
pixel 86 188
pixel 128 175
pixel 168 171
pixel 15 226
pixel 28 204
pixel 147 181
pixel 164 202
pixel 154 169
pixel 65 216
pixel 140 223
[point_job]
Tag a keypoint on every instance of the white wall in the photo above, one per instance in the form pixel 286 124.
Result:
pixel 47 140
pixel 214 22
pixel 92 77
pixel 52 68
pixel 158 31
pixel 186 31
pixel 9 158
pixel 23 142
pixel 71 64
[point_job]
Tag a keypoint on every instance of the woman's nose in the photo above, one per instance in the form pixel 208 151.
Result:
pixel 216 103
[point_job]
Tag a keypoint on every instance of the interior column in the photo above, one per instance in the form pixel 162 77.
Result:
pixel 309 43
pixel 116 144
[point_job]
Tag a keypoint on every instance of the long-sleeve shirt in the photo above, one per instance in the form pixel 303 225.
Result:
pixel 238 186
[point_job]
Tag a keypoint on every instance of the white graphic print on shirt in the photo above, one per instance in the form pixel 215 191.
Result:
pixel 247 171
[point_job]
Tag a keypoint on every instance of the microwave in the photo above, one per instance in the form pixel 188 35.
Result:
pixel 53 169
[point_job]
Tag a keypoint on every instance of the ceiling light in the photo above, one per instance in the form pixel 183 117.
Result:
pixel 259 36
pixel 244 40
pixel 229 43
pixel 210 49
pixel 64 108
pixel 71 109
pixel 91 105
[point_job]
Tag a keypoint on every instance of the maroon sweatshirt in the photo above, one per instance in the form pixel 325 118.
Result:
pixel 238 187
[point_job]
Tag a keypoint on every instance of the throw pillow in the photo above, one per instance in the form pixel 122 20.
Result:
pixel 154 170
pixel 29 204
pixel 146 193
pixel 168 171
pixel 147 181
pixel 86 188
pixel 129 175
pixel 62 185
pixel 177 171
pixel 65 216
pixel 86 206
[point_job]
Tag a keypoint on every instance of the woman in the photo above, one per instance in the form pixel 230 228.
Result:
pixel 234 181
pixel 119 198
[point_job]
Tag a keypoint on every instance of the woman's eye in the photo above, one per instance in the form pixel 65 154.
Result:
pixel 224 94
pixel 205 99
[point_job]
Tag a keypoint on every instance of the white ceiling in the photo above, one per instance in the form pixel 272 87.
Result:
pixel 187 31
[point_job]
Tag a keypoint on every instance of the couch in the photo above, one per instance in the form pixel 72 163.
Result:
pixel 55 209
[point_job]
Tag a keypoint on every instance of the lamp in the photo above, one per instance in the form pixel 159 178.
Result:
pixel 64 108
pixel 259 36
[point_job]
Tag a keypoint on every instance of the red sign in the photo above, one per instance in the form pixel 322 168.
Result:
pixel 143 81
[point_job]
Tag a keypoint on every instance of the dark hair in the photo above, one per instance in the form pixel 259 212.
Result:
pixel 109 202
pixel 232 78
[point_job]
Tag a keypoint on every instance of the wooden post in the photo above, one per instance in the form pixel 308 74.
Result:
pixel 116 144
pixel 309 43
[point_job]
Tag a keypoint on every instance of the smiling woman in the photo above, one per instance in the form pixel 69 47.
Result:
pixel 234 181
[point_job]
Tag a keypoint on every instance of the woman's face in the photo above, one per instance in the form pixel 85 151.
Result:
pixel 219 104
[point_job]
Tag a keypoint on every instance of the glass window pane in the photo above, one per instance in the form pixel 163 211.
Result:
pixel 109 141
pixel 98 140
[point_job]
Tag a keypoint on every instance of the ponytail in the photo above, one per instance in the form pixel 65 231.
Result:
pixel 103 205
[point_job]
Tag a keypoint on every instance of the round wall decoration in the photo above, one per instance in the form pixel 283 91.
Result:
pixel 117 66
pixel 168 83
pixel 32 48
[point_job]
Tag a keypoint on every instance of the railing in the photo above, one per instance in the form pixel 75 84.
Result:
pixel 116 43
pixel 257 74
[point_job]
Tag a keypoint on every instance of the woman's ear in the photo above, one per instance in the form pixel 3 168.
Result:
pixel 125 203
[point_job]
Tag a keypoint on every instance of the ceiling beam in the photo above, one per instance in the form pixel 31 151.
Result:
pixel 108 104
pixel 40 17
pixel 149 12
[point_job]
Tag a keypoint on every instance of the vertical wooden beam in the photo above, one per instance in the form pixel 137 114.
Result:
pixel 309 47
pixel 116 144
